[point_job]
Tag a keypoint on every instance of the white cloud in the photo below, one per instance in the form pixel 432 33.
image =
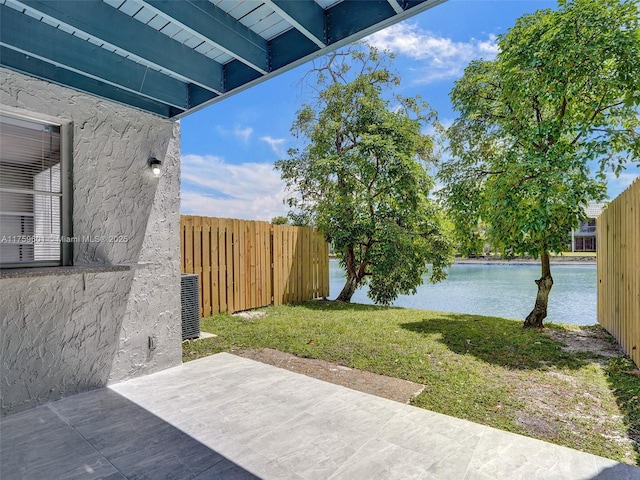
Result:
pixel 276 144
pixel 243 134
pixel 624 179
pixel 616 185
pixel 211 187
pixel 442 58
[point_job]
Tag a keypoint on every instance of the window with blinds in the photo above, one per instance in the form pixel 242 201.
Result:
pixel 31 193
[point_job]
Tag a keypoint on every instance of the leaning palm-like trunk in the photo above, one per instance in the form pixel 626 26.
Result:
pixel 539 312
pixel 355 274
pixel 349 289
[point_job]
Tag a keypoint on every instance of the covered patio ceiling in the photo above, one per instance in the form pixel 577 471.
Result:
pixel 172 57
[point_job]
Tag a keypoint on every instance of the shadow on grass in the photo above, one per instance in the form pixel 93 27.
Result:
pixel 494 340
pixel 333 305
pixel 621 373
pixel 497 341
pixel 626 388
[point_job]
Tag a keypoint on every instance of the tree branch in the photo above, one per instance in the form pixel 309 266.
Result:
pixel 597 112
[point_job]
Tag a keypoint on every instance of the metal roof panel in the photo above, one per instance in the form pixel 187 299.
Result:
pixel 243 8
pixel 256 15
pixel 114 3
pixel 158 22
pixel 144 15
pixel 182 36
pixel 266 22
pixel 13 5
pixel 277 29
pixel 219 56
pixel 130 7
pixel 194 42
pixel 226 5
pixel 170 29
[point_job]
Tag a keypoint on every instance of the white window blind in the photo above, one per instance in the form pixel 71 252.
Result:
pixel 30 193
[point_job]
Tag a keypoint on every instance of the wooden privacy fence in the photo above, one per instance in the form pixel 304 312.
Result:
pixel 244 264
pixel 618 240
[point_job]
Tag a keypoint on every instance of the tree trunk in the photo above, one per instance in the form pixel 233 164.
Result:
pixel 354 275
pixel 349 288
pixel 539 312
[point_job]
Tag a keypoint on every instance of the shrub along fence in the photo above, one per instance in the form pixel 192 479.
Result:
pixel 618 240
pixel 244 264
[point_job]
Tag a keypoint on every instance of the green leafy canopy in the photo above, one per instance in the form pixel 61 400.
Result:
pixel 360 175
pixel 561 98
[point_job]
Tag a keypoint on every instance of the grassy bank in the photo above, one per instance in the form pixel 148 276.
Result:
pixel 487 370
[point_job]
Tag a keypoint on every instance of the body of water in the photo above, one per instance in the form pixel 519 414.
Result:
pixel 498 290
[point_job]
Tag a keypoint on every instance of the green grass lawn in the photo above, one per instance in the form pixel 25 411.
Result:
pixel 484 369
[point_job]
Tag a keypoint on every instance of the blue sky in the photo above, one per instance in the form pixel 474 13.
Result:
pixel 228 149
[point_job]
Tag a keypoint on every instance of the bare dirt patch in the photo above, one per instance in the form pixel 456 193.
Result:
pixel 380 385
pixel 536 426
pixel 594 340
pixel 251 314
pixel 559 406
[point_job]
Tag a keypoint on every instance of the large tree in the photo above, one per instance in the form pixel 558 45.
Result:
pixel 539 125
pixel 361 177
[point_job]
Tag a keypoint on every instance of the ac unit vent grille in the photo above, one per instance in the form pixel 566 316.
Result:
pixel 190 307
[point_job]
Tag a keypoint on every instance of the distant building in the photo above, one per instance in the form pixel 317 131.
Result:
pixel 583 239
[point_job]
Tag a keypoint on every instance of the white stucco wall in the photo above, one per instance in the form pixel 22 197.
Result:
pixel 63 334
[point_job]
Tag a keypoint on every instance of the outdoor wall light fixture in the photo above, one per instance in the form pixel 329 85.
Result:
pixel 155 166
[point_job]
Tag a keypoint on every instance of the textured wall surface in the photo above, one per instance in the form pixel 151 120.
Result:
pixel 66 334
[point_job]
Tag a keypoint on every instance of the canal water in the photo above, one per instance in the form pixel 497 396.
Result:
pixel 505 291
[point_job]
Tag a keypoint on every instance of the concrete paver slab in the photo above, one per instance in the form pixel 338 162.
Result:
pixel 227 417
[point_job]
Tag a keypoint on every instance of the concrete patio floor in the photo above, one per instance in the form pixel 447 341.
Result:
pixel 227 417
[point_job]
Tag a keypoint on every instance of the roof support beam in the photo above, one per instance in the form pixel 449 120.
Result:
pixel 238 74
pixel 203 19
pixel 38 68
pixel 305 15
pixel 289 47
pixel 347 18
pixel 97 20
pixel 348 21
pixel 396 6
pixel 27 35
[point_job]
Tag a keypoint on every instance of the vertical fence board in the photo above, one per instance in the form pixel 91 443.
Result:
pixel 267 269
pixel 206 270
pixel 257 264
pixel 183 229
pixel 256 272
pixel 215 283
pixel 197 254
pixel 253 252
pixel 222 262
pixel 251 277
pixel 286 265
pixel 188 246
pixel 276 264
pixel 238 267
pixel 230 241
pixel 295 265
pixel 264 297
pixel 618 241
